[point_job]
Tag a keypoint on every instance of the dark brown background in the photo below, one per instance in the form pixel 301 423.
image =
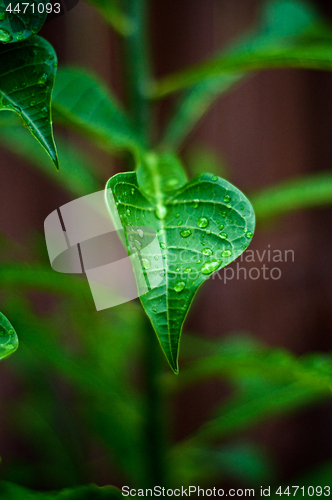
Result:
pixel 276 125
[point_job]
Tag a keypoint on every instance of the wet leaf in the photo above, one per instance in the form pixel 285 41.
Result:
pixel 202 226
pixel 20 20
pixel 27 72
pixel 8 337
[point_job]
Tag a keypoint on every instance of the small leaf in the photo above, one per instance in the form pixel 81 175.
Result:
pixel 81 99
pixel 202 226
pixel 8 337
pixel 27 72
pixel 21 20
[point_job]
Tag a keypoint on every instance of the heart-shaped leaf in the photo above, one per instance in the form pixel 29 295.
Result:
pixel 19 20
pixel 8 337
pixel 27 72
pixel 202 226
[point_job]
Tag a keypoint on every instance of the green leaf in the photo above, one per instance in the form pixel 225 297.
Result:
pixel 281 19
pixel 82 100
pixel 27 72
pixel 114 15
pixel 8 337
pixel 10 491
pixel 271 56
pixel 22 20
pixel 202 226
pixel 295 194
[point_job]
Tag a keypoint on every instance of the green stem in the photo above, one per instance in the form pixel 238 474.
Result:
pixel 139 80
pixel 138 68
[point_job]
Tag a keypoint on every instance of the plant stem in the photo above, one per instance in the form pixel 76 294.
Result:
pixel 138 67
pixel 138 79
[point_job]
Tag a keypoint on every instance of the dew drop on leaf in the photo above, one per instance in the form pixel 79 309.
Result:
pixel 185 233
pixel 140 233
pixel 146 263
pixel 180 223
pixel 196 203
pixel 179 286
pixel 5 36
pixel 207 251
pixel 161 212
pixel 249 235
pixel 163 246
pixel 210 267
pixel 214 178
pixel 221 227
pixel 187 270
pixel 226 253
pixel 202 222
pixel 223 236
pixel 227 198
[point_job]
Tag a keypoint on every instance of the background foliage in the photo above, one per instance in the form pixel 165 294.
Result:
pixel 88 396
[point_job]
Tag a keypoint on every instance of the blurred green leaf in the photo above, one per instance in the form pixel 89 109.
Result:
pixel 245 462
pixel 202 226
pixel 78 174
pixel 114 15
pixel 10 491
pixel 295 194
pixel 80 99
pixel 280 20
pixel 27 76
pixel 201 158
pixel 22 20
pixel 303 54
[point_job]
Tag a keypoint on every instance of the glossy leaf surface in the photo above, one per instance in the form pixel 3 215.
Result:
pixel 19 20
pixel 8 337
pixel 202 226
pixel 27 72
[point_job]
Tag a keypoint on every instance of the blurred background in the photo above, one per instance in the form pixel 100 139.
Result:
pixel 272 126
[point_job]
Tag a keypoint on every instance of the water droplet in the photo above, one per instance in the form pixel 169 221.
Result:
pixel 221 227
pixel 132 190
pixel 32 103
pixel 43 78
pixel 210 267
pixel 5 36
pixel 161 212
pixel 138 244
pixel 196 203
pixel 180 223
pixel 223 236
pixel 178 269
pixel 227 198
pixel 172 182
pixel 154 310
pixel 249 235
pixel 163 246
pixel 226 253
pixel 35 29
pixel 207 251
pixel 51 57
pixel 128 211
pixel 146 263
pixel 19 38
pixel 187 270
pixel 224 214
pixel 202 222
pixel 242 207
pixel 156 257
pixel 55 65
pixel 8 337
pixel 179 286
pixel 185 233
pixel 177 215
pixel 162 274
pixel 208 231
pixel 140 233
pixel 214 178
